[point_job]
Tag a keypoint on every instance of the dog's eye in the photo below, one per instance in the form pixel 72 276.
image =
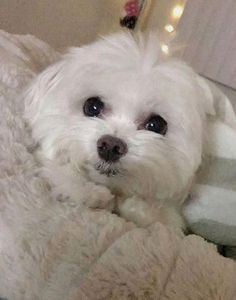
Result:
pixel 157 124
pixel 93 107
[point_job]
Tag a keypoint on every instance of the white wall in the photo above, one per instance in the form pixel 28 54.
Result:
pixel 208 31
pixel 73 22
pixel 60 22
pixel 160 14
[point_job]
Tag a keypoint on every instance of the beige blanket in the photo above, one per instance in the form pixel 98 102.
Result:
pixel 51 251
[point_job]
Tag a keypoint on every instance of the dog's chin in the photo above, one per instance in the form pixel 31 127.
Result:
pixel 108 169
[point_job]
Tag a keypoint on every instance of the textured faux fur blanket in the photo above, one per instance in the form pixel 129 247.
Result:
pixel 50 251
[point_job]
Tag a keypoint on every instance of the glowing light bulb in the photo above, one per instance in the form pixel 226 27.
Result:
pixel 177 11
pixel 169 28
pixel 165 49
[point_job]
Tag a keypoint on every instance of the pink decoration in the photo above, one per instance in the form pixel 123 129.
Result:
pixel 132 8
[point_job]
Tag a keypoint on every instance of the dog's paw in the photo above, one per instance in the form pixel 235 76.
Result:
pixel 98 196
pixel 144 214
pixel 136 210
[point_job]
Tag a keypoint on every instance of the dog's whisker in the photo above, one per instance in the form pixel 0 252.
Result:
pixel 107 168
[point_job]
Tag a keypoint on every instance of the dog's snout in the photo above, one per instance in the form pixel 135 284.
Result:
pixel 111 148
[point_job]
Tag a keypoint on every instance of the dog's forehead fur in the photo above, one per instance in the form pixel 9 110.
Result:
pixel 123 50
pixel 134 72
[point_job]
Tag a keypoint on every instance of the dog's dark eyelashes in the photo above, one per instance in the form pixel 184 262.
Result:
pixel 93 107
pixel 156 124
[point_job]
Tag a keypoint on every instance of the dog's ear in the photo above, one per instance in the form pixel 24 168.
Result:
pixel 207 99
pixel 216 103
pixel 36 94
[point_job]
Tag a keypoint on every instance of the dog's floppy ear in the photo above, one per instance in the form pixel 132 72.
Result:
pixel 207 99
pixel 35 95
pixel 216 103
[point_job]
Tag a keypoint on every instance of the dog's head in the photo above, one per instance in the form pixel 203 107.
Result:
pixel 133 119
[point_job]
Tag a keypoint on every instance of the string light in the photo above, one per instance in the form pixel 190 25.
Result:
pixel 169 28
pixel 177 11
pixel 165 48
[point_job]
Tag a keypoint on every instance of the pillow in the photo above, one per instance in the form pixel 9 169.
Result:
pixel 211 208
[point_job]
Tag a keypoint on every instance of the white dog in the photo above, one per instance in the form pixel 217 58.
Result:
pixel 120 126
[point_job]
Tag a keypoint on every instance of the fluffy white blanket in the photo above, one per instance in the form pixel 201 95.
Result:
pixel 50 251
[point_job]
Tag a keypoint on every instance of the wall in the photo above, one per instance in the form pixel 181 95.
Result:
pixel 60 22
pixel 208 31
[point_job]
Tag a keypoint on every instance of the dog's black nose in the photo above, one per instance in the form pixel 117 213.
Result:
pixel 111 148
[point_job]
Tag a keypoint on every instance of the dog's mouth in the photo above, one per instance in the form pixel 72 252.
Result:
pixel 108 169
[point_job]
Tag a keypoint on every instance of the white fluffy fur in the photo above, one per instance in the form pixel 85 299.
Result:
pixel 134 80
